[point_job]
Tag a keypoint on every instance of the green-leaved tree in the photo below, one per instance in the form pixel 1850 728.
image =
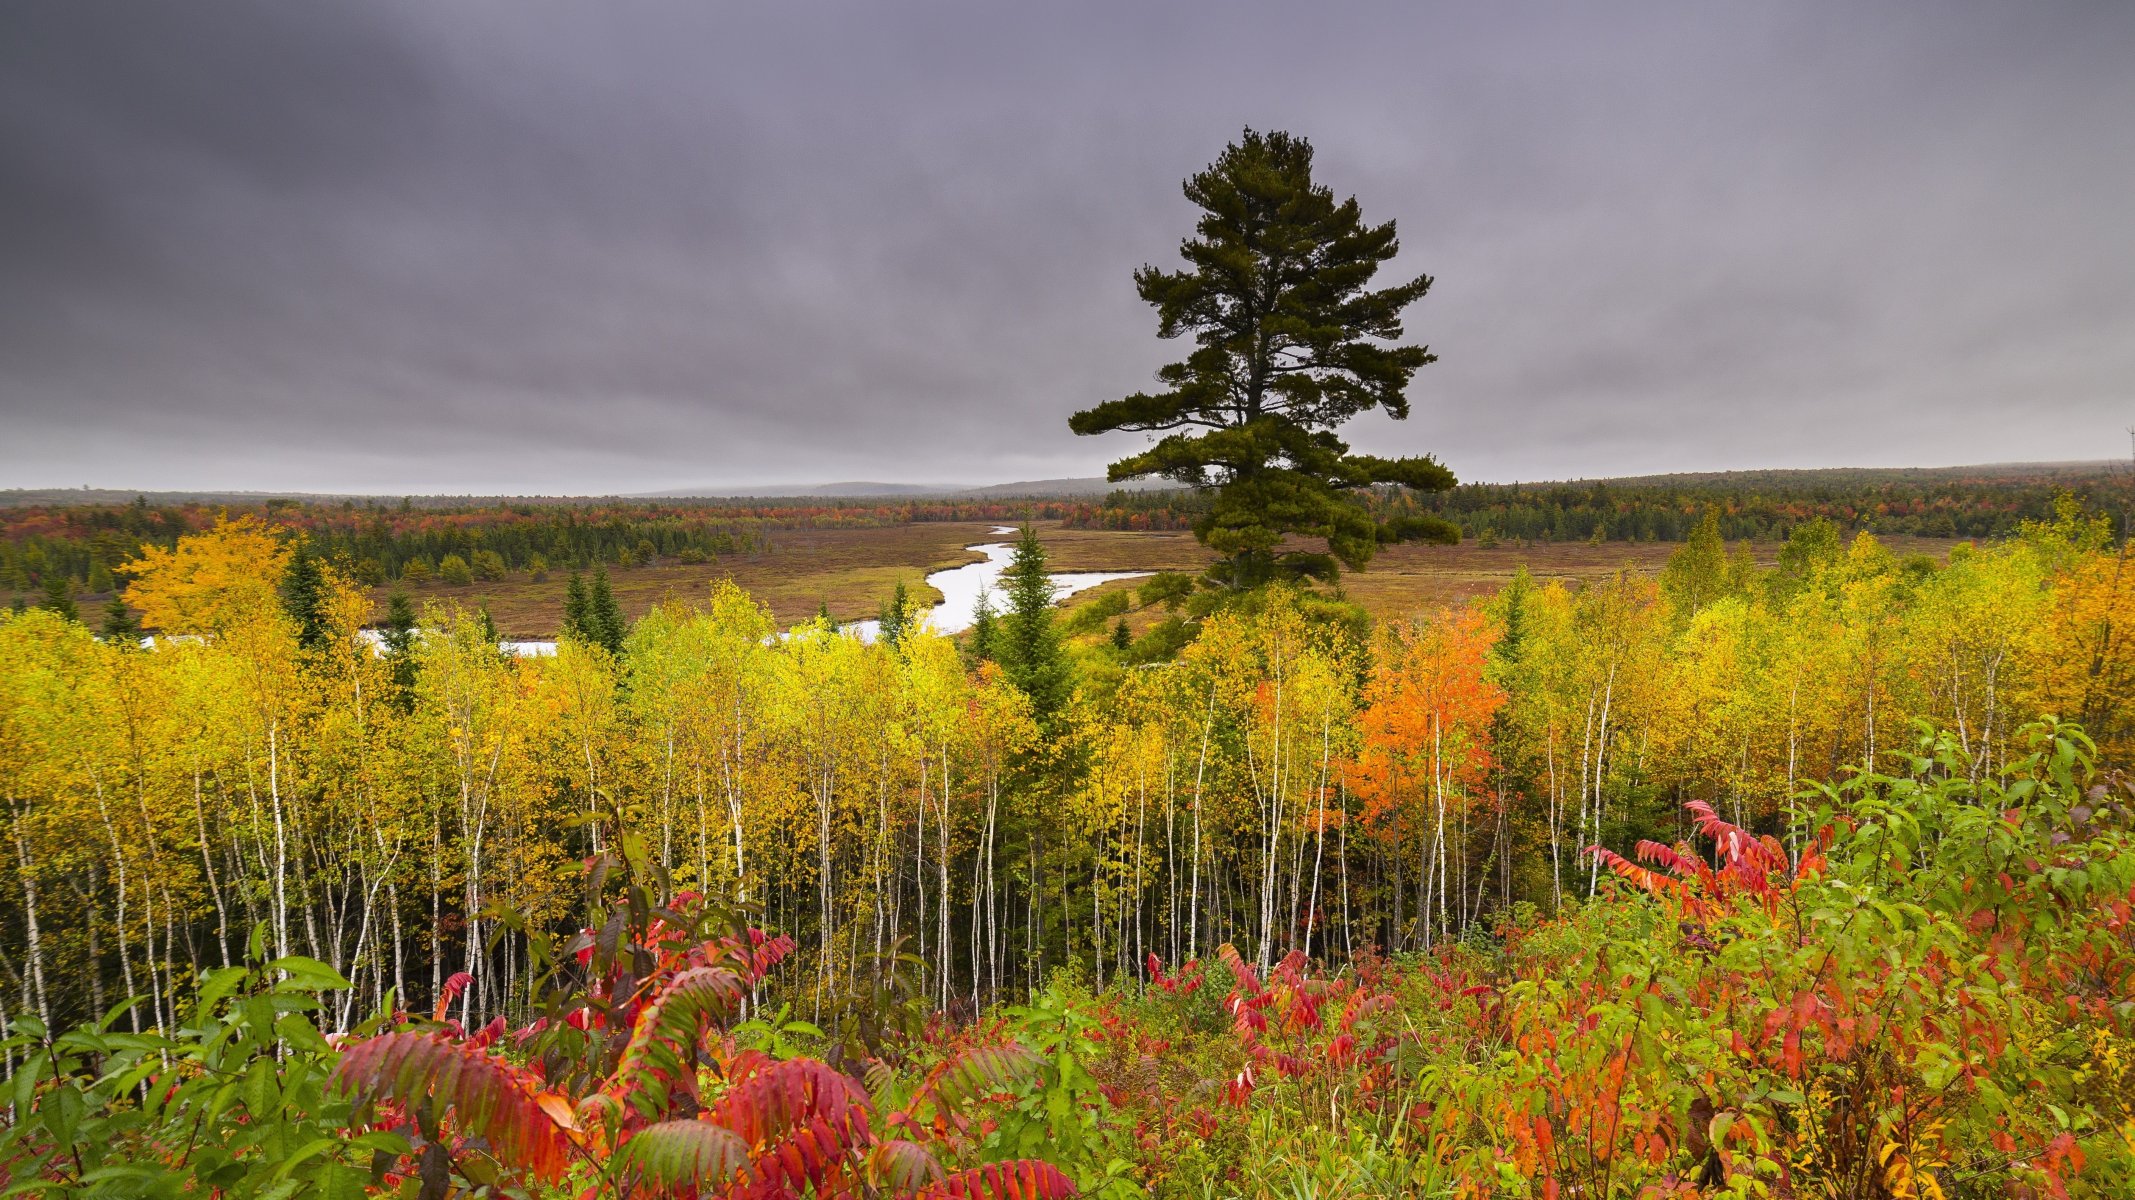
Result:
pixel 1290 342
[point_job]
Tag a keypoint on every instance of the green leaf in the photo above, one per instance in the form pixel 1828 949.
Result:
pixel 302 1035
pixel 309 1149
pixel 263 1096
pixel 307 974
pixel 218 984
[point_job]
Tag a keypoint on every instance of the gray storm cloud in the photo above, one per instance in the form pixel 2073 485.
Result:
pixel 550 248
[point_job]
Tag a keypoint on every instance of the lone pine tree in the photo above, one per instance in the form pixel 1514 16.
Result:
pixel 1290 343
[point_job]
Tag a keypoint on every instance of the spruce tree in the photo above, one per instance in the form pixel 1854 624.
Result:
pixel 575 621
pixel 1122 637
pixel 894 623
pixel 985 629
pixel 1030 643
pixel 1289 345
pixel 59 595
pixel 604 617
pixel 823 617
pixel 399 642
pixel 304 599
pixel 120 626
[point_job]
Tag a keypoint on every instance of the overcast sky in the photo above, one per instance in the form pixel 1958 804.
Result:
pixel 454 246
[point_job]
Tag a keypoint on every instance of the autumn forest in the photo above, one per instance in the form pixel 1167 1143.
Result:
pixel 1327 822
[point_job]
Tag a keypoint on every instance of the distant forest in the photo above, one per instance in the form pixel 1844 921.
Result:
pixel 386 541
pixel 1961 502
pixel 394 540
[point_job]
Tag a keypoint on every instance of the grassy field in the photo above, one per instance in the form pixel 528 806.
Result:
pixel 853 571
pixel 1408 579
pixel 850 570
pixel 1405 580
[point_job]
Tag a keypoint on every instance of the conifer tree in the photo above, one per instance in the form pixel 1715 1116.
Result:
pixel 1289 346
pixel 59 595
pixel 399 641
pixel 121 628
pixel 1030 643
pixel 822 615
pixel 895 620
pixel 1122 637
pixel 604 617
pixel 575 619
pixel 985 629
pixel 304 597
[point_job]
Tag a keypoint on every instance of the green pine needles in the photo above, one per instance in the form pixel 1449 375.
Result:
pixel 590 613
pixel 1290 343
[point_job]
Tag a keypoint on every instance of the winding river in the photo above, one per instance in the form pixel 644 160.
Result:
pixel 960 587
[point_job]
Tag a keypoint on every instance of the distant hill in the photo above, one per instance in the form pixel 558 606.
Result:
pixel 1048 488
pixel 850 490
pixel 1810 477
pixel 1085 486
pixel 828 491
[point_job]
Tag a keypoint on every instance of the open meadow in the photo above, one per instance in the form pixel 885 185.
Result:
pixel 853 570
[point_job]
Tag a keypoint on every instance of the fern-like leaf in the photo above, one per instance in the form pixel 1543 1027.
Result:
pixel 667 1030
pixel 484 1094
pixel 454 985
pixel 903 1167
pixel 1651 881
pixel 1752 857
pixel 1021 1179
pixel 783 1096
pixel 810 1157
pixel 977 1071
pixel 682 1158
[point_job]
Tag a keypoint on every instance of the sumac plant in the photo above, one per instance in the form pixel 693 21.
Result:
pixel 1927 999
pixel 629 1083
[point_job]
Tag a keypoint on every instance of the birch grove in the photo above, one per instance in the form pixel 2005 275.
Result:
pixel 1292 779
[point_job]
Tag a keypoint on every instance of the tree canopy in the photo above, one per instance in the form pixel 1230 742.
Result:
pixel 1290 342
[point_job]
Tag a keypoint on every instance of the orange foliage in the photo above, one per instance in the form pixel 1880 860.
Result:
pixel 1429 706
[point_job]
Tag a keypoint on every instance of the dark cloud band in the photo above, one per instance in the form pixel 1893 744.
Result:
pixel 542 248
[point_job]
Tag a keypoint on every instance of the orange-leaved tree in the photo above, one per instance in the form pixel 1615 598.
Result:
pixel 1426 734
